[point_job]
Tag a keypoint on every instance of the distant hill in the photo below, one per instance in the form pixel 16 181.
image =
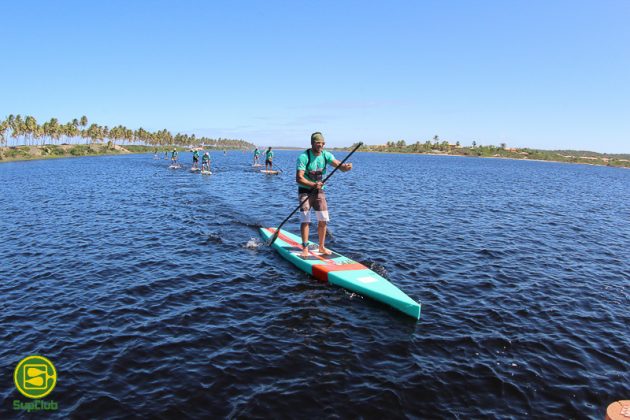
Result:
pixel 591 154
pixel 446 148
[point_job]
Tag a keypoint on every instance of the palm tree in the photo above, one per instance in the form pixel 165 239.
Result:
pixel 9 122
pixel 71 130
pixel 30 126
pixel 45 131
pixel 4 126
pixel 128 135
pixel 18 127
pixel 104 133
pixel 93 132
pixel 39 133
pixel 54 129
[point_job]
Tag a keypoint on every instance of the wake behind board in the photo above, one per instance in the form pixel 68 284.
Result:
pixel 342 271
pixel 269 172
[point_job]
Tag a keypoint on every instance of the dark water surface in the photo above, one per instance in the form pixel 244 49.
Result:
pixel 151 292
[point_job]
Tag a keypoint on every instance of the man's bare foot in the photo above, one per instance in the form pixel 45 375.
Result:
pixel 325 251
pixel 305 253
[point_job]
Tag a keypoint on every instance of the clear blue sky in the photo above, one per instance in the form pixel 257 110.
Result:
pixel 546 74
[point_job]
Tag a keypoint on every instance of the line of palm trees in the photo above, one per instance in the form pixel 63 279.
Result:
pixel 16 130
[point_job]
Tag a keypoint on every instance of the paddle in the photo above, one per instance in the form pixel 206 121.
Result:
pixel 275 234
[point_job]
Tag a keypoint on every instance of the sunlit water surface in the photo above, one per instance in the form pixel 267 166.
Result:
pixel 150 289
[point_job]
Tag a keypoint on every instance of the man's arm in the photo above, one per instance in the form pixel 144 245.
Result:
pixel 343 168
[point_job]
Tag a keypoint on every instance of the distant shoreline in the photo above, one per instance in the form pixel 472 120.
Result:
pixel 28 153
pixel 530 155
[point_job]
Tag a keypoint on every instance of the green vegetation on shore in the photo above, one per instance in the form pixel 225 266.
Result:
pixel 502 151
pixel 17 131
pixel 51 151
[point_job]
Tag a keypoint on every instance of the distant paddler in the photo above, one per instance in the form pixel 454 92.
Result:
pixel 195 164
pixel 268 159
pixel 310 171
pixel 205 162
pixel 174 155
pixel 256 156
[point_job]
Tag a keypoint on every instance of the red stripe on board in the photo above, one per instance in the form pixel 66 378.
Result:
pixel 293 243
pixel 320 271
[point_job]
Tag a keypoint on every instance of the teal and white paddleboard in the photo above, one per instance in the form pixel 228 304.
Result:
pixel 342 271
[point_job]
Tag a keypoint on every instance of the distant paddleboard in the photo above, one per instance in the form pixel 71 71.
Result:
pixel 174 167
pixel 269 172
pixel 194 169
pixel 258 164
pixel 206 173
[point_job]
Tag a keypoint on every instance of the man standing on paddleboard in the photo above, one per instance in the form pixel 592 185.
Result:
pixel 311 169
pixel 195 164
pixel 174 157
pixel 269 159
pixel 205 162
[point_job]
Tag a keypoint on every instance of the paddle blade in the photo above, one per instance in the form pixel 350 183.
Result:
pixel 273 237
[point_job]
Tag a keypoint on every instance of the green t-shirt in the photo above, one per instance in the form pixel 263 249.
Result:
pixel 196 154
pixel 256 152
pixel 269 154
pixel 205 158
pixel 174 154
pixel 316 170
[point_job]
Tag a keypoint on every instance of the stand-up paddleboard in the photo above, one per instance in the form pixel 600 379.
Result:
pixel 174 167
pixel 256 165
pixel 206 173
pixel 194 169
pixel 269 172
pixel 342 271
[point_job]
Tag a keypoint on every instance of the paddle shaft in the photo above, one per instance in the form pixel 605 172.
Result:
pixel 275 234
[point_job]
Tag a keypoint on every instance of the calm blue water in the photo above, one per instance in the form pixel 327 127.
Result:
pixel 152 294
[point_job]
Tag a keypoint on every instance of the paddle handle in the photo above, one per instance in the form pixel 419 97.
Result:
pixel 275 235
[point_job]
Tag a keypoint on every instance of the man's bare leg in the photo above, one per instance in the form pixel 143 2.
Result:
pixel 304 230
pixel 321 230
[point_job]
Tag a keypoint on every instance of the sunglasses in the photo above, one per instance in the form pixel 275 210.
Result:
pixel 320 142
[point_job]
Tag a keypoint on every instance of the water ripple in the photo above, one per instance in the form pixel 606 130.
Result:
pixel 154 296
